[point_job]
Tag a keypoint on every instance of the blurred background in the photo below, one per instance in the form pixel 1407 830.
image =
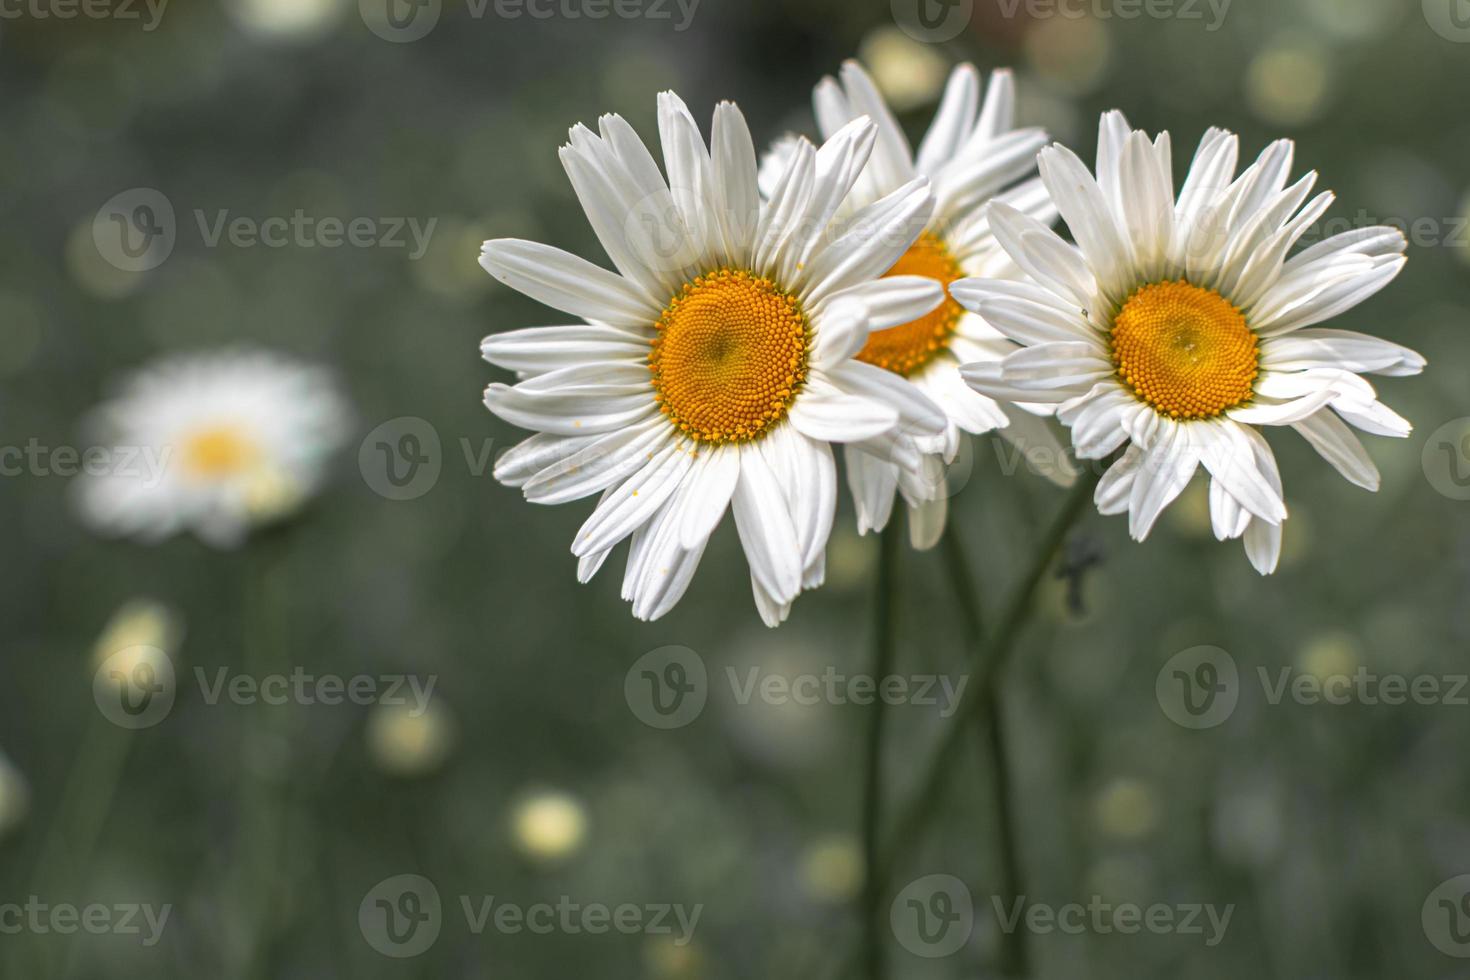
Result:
pixel 274 836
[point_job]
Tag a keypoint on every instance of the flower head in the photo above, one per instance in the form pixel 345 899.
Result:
pixel 715 366
pixel 1178 326
pixel 211 443
pixel 970 155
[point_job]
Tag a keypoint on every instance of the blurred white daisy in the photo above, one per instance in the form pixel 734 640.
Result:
pixel 715 366
pixel 970 155
pixel 1179 326
pixel 212 443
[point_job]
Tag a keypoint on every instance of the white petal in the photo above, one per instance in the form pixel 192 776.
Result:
pixel 872 482
pixel 823 412
pixel 566 414
pixel 954 120
pixel 767 532
pixel 732 156
pixel 1229 457
pixel 707 492
pixel 1344 349
pixel 1339 446
pixel 568 283
pixel 1043 452
pixel 1024 313
pixel 600 464
pixel 1162 475
pixel 540 349
pixel 634 502
pixel 926 522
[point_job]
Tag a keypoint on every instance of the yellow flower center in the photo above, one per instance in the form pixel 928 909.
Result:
pixel 909 346
pixel 217 452
pixel 1185 350
pixel 729 357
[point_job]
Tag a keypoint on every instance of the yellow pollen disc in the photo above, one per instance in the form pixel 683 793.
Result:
pixel 1184 350
pixel 218 452
pixel 730 356
pixel 909 346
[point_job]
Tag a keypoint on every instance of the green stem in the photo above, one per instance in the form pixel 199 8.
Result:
pixel 86 802
pixel 873 921
pixel 1013 958
pixel 979 692
pixel 263 808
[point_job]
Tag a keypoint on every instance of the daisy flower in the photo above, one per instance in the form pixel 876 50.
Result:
pixel 211 443
pixel 970 155
pixel 714 367
pixel 1180 326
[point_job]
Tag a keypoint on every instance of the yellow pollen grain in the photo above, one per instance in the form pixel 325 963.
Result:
pixel 909 346
pixel 1185 350
pixel 218 452
pixel 729 357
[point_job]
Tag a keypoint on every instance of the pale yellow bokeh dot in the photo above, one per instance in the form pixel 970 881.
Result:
pixel 1460 243
pixel 406 741
pixel 1127 808
pixel 139 626
pixel 1287 83
pixel 832 868
pixel 89 270
pixel 293 20
pixel 549 825
pixel 447 267
pixel 1333 654
pixel 851 557
pixel 1071 55
pixel 667 960
pixel 1190 514
pixel 908 73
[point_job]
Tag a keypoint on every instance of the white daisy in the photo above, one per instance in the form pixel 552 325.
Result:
pixel 970 155
pixel 1179 326
pixel 210 443
pixel 715 366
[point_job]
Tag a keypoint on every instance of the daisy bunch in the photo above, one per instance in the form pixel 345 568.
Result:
pixel 714 366
pixel 1178 326
pixel 971 154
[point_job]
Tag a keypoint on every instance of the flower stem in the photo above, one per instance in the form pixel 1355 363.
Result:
pixel 987 671
pixel 873 926
pixel 1013 957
